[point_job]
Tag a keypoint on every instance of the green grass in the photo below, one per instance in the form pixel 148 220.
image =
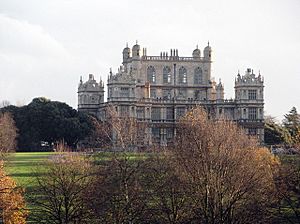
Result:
pixel 22 167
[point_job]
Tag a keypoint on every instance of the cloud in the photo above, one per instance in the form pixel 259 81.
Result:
pixel 21 37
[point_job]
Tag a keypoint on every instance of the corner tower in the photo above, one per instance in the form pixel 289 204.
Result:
pixel 249 96
pixel 90 95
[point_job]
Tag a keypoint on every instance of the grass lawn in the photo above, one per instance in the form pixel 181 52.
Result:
pixel 22 167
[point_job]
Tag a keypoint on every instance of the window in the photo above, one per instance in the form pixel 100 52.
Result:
pixel 170 113
pixel 166 94
pixel 151 77
pixel 166 75
pixel 124 111
pixel 155 113
pixel 252 113
pixel 198 76
pixel 252 94
pixel 182 93
pixel 152 93
pixel 197 94
pixel 180 111
pixel 182 75
pixel 170 133
pixel 140 112
pixel 156 133
pixel 252 131
pixel 124 92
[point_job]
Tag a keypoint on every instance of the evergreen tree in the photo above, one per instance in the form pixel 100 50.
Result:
pixel 291 122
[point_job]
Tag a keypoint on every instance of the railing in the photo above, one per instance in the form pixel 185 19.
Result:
pixel 250 120
pixel 170 58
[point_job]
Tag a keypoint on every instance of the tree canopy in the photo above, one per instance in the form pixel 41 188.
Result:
pixel 44 120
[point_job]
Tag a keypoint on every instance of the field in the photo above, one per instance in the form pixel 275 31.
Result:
pixel 24 166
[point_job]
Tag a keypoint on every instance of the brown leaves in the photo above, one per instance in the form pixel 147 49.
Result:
pixel 8 134
pixel 11 200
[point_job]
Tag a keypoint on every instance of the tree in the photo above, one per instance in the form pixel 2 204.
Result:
pixel 119 191
pixel 62 193
pixel 12 203
pixel 48 121
pixel 288 190
pixel 169 197
pixel 8 134
pixel 275 133
pixel 4 103
pixel 292 122
pixel 231 176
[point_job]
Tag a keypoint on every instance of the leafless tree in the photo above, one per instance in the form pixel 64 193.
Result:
pixel 120 133
pixel 4 103
pixel 169 197
pixel 119 191
pixel 63 189
pixel 232 177
pixel 8 134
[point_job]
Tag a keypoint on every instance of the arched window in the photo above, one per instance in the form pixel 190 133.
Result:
pixel 182 75
pixel 151 74
pixel 198 77
pixel 167 75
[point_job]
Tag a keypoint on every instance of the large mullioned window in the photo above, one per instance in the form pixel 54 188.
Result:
pixel 151 76
pixel 167 75
pixel 198 77
pixel 252 113
pixel 182 75
pixel 252 94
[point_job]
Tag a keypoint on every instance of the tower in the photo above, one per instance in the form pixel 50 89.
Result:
pixel 126 55
pixel 250 103
pixel 90 95
pixel 136 52
pixel 220 91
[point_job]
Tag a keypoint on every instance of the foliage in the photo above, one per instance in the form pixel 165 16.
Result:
pixel 292 123
pixel 48 121
pixel 11 200
pixel 275 133
pixel 288 190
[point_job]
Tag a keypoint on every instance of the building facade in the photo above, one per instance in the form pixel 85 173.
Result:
pixel 160 89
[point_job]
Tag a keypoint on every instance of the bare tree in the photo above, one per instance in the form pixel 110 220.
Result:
pixel 231 176
pixel 119 191
pixel 169 197
pixel 120 132
pixel 8 134
pixel 4 103
pixel 62 192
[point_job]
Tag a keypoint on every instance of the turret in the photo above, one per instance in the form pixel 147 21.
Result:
pixel 126 54
pixel 136 52
pixel 207 52
pixel 196 53
pixel 90 95
pixel 249 86
pixel 220 91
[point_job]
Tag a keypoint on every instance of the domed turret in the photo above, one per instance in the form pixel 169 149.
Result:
pixel 136 51
pixel 126 54
pixel 196 53
pixel 207 52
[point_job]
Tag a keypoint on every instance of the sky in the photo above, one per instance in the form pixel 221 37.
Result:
pixel 46 45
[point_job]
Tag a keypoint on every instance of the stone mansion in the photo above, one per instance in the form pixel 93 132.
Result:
pixel 160 89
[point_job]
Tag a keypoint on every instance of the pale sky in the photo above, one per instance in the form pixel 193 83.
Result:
pixel 46 45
